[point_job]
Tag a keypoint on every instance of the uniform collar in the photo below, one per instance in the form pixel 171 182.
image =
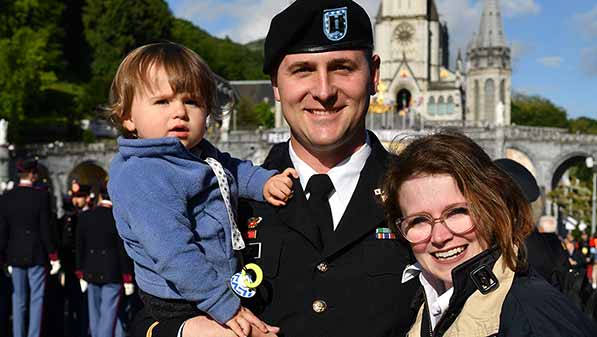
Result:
pixel 342 175
pixel 25 183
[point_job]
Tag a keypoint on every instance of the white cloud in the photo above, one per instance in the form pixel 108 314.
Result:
pixel 550 61
pixel 586 23
pixel 249 20
pixel 519 7
pixel 588 61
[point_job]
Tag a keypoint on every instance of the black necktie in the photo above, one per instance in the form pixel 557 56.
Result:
pixel 320 186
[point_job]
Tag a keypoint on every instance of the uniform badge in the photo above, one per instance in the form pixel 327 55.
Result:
pixel 379 194
pixel 242 283
pixel 251 234
pixel 384 233
pixel 335 23
pixel 253 222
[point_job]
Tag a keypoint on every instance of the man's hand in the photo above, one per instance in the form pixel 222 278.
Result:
pixel 203 326
pixel 245 323
pixel 83 284
pixel 278 189
pixel 55 267
pixel 129 289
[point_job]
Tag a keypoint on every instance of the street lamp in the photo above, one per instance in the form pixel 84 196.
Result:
pixel 590 164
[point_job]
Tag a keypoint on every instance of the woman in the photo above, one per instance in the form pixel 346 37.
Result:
pixel 466 221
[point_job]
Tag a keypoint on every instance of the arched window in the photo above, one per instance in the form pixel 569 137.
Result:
pixel 503 91
pixel 431 106
pixel 450 105
pixel 441 106
pixel 476 103
pixel 490 101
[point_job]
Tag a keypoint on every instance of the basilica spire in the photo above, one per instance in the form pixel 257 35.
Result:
pixel 491 30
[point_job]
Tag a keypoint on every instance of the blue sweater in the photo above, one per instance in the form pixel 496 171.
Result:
pixel 170 213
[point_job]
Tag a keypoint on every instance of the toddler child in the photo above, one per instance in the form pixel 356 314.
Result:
pixel 174 194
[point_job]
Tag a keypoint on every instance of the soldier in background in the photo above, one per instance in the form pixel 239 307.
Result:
pixel 103 267
pixel 75 313
pixel 28 242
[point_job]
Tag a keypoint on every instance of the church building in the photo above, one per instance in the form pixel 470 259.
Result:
pixel 416 78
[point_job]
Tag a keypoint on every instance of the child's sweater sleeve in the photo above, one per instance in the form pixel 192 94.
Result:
pixel 155 214
pixel 250 178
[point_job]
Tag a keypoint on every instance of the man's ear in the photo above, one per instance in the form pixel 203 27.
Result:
pixel 375 74
pixel 274 81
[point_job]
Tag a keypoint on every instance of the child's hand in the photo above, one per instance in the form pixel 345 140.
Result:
pixel 243 322
pixel 278 189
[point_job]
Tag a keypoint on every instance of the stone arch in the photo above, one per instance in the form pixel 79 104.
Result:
pixel 521 157
pixel 489 93
pixel 89 172
pixel 562 164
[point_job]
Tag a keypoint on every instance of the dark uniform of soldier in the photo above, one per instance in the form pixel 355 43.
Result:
pixel 331 265
pixel 545 252
pixel 75 309
pixel 103 267
pixel 29 245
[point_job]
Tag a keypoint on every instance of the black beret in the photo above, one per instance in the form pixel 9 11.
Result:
pixel 314 26
pixel 27 165
pixel 521 176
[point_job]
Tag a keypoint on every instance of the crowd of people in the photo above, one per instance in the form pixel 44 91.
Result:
pixel 332 236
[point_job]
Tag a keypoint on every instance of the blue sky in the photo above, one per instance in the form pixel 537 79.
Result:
pixel 554 42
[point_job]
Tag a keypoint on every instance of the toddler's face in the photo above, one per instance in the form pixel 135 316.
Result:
pixel 163 113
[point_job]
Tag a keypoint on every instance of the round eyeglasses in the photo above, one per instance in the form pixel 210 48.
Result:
pixel 416 228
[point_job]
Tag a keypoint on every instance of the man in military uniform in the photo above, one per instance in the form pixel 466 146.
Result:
pixel 103 267
pixel 75 312
pixel 29 245
pixel 331 265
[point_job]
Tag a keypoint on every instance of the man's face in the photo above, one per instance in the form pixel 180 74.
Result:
pixel 325 97
pixel 79 202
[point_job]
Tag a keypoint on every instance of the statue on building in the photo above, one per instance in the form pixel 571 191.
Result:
pixel 3 131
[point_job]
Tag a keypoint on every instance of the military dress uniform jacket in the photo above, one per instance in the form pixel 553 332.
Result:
pixel 350 287
pixel 101 257
pixel 26 236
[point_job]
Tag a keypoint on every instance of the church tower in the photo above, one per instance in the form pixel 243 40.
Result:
pixel 414 48
pixel 489 70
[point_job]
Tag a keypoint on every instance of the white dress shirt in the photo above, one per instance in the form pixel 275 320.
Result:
pixel 437 304
pixel 344 176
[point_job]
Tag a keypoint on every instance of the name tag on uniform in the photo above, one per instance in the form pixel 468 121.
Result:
pixel 253 250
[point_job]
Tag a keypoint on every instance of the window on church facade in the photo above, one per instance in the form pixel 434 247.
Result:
pixel 442 108
pixel 431 106
pixel 489 100
pixel 450 109
pixel 476 103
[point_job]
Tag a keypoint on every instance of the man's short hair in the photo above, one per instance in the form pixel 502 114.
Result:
pixel 308 26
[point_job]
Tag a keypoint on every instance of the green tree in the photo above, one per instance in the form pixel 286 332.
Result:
pixel 226 58
pixel 265 115
pixel 537 111
pixel 583 125
pixel 30 56
pixel 112 29
pixel 246 118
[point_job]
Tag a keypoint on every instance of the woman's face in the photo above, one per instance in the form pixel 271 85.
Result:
pixel 443 250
